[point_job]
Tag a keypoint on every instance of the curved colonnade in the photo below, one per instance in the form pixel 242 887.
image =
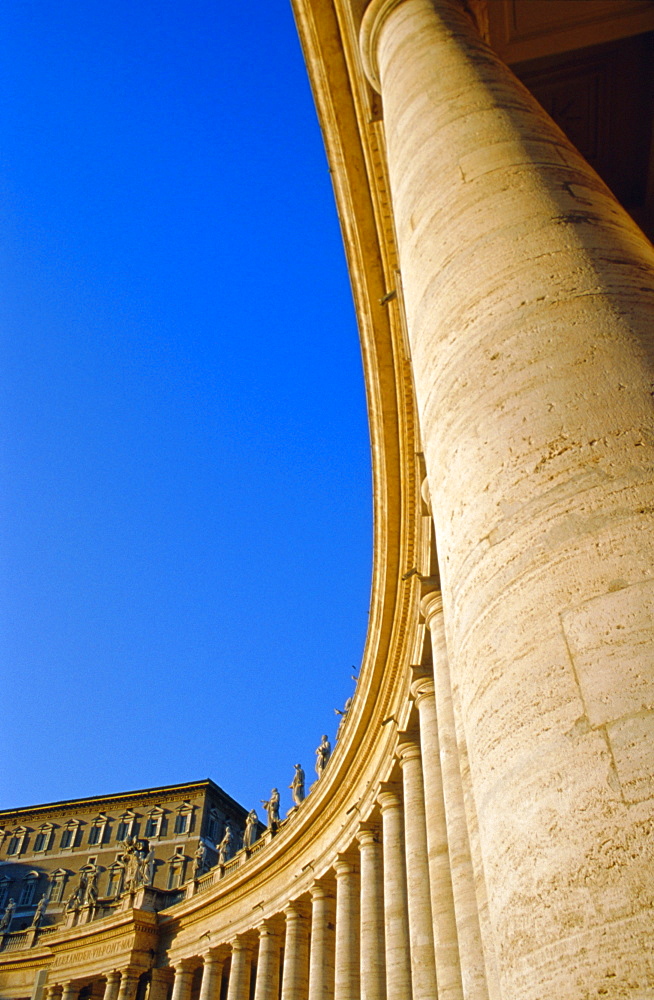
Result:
pixel 456 845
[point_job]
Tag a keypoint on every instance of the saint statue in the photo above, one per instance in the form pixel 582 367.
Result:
pixel 250 834
pixel 297 785
pixel 323 753
pixel 272 808
pixel 5 923
pixel 199 860
pixel 40 910
pixel 225 845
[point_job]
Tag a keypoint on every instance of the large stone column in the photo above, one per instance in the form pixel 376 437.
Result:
pixel 212 974
pixel 268 962
pixel 421 930
pixel 241 970
pixel 69 991
pixel 346 978
pixel 396 917
pixel 323 943
pixel 446 945
pixel 530 314
pixel 373 957
pixel 295 978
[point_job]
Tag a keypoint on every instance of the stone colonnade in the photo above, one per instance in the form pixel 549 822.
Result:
pixel 381 923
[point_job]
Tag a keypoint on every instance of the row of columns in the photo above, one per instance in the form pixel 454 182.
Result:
pixel 119 985
pixel 397 916
pixel 388 921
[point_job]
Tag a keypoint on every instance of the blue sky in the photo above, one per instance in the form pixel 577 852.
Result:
pixel 185 478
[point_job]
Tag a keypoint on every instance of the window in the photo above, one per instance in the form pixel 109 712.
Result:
pixel 154 823
pixel 43 838
pixel 176 872
pixel 125 826
pixel 181 822
pixel 16 842
pixel 69 835
pixel 98 827
pixel 27 891
pixel 115 880
pixel 57 885
pixel 213 826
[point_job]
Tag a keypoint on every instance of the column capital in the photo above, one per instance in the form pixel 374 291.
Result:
pixel 295 909
pixel 240 943
pixel 408 748
pixel 180 965
pixel 320 890
pixel 431 605
pixel 389 796
pixel 371 25
pixel 367 834
pixel 422 687
pixel 344 866
pixel 268 928
pixel 214 956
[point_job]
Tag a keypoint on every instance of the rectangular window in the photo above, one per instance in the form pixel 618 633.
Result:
pixel 57 891
pixel 42 841
pixel 27 893
pixel 15 845
pixel 181 823
pixel 174 876
pixel 94 834
pixel 123 830
pixel 152 826
pixel 68 837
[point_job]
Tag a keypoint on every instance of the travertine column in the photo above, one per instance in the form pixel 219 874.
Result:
pixel 530 315
pixel 473 963
pixel 212 973
pixel 69 991
pixel 295 978
pixel 446 947
pixel 241 970
pixel 268 963
pixel 111 986
pixel 53 992
pixel 323 944
pixel 421 930
pixel 396 918
pixel 160 980
pixel 346 977
pixel 129 981
pixel 373 957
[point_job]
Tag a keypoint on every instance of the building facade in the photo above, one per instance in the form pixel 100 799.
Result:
pixel 484 827
pixel 46 850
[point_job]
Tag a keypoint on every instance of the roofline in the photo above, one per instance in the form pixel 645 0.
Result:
pixel 150 792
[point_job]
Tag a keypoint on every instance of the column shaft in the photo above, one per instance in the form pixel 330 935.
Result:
pixel 346 976
pixel 240 972
pixel 396 918
pixel 212 974
pixel 473 962
pixel 373 957
pixel 321 959
pixel 446 945
pixel 295 977
pixel 421 930
pixel 268 963
pixel 533 389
